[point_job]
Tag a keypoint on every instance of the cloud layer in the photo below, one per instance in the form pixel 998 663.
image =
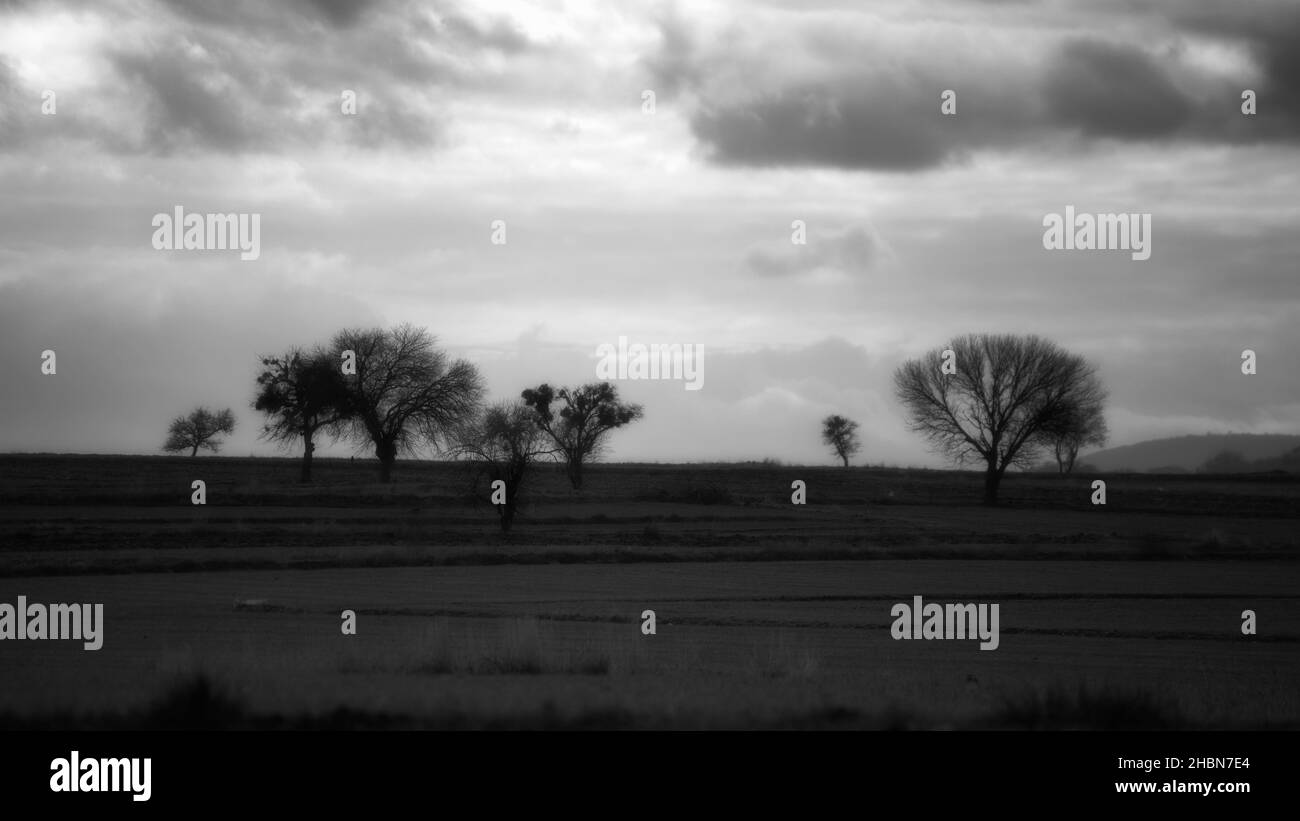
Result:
pixel 674 226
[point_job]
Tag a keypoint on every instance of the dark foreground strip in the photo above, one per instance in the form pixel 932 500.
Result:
pixel 803 774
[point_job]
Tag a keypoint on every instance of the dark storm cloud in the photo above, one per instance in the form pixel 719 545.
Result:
pixel 1271 32
pixel 336 13
pixel 501 34
pixel 236 14
pixel 259 18
pixel 268 77
pixel 340 12
pixel 219 102
pixel 1110 90
pixel 181 109
pixel 886 120
pixel 820 126
pixel 862 110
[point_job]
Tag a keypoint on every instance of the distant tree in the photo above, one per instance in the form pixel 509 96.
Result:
pixel 406 393
pixel 199 430
pixel 580 426
pixel 507 439
pixel 302 392
pixel 1083 426
pixel 1227 461
pixel 841 435
pixel 1007 394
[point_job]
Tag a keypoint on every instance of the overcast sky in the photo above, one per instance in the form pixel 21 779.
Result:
pixel 670 227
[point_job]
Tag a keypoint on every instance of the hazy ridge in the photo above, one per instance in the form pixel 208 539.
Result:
pixel 1191 452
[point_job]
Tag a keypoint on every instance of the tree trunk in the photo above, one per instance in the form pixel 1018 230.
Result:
pixel 387 453
pixel 991 479
pixel 575 473
pixel 195 451
pixel 307 449
pixel 507 511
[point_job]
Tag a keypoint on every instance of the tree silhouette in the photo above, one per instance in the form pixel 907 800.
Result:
pixel 301 393
pixel 406 392
pixel 1084 426
pixel 580 427
pixel 842 436
pixel 507 438
pixel 199 430
pixel 1008 394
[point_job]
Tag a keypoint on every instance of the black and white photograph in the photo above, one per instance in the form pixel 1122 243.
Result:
pixel 732 367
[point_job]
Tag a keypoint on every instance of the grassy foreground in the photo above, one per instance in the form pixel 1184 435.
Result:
pixel 768 614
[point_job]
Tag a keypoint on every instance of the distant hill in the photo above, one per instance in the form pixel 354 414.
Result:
pixel 1189 452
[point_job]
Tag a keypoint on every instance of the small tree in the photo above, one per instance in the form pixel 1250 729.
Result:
pixel 580 427
pixel 199 430
pixel 1084 426
pixel 506 438
pixel 842 436
pixel 301 393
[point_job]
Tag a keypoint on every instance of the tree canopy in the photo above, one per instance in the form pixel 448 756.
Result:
pixel 579 419
pixel 841 435
pixel 199 429
pixel 1008 394
pixel 302 392
pixel 406 393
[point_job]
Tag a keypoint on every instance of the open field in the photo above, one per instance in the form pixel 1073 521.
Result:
pixel 768 614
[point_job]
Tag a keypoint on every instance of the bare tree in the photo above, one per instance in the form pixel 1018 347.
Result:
pixel 199 430
pixel 1007 395
pixel 506 438
pixel 1084 426
pixel 580 427
pixel 406 393
pixel 301 392
pixel 842 436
